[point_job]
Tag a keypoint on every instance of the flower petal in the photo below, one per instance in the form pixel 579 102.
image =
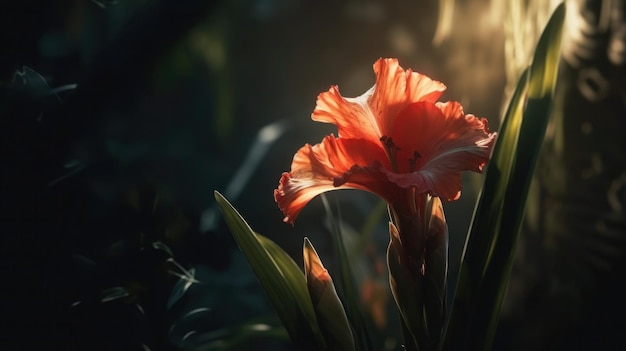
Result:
pixel 370 115
pixel 396 88
pixel 294 193
pixel 436 142
pixel 442 182
pixel 334 156
pixel 332 164
pixel 352 116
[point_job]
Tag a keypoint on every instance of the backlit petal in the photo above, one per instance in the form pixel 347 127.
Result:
pixel 436 142
pixel 294 193
pixel 395 89
pixel 352 116
pixel 334 163
pixel 334 156
pixel 370 115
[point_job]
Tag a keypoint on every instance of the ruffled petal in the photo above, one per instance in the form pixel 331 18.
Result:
pixel 352 116
pixel 370 115
pixel 330 165
pixel 435 143
pixel 334 156
pixel 396 88
pixel 294 193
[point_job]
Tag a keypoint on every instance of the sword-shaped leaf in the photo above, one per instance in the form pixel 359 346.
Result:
pixel 280 277
pixel 346 284
pixel 488 255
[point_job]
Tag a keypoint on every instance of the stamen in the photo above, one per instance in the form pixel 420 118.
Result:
pixel 413 161
pixel 391 149
pixel 339 181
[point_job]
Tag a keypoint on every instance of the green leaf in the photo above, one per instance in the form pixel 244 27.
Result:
pixel 490 246
pixel 346 284
pixel 277 274
pixel 242 336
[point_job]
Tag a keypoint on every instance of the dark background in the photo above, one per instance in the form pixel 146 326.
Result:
pixel 107 187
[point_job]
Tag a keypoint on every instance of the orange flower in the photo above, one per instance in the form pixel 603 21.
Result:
pixel 395 140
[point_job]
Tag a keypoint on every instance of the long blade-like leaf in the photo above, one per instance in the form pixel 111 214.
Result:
pixel 285 287
pixel 346 284
pixel 489 250
pixel 486 216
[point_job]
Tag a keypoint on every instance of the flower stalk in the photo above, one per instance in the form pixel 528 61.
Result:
pixel 417 259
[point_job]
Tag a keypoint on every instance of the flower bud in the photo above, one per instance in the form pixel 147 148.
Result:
pixel 330 313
